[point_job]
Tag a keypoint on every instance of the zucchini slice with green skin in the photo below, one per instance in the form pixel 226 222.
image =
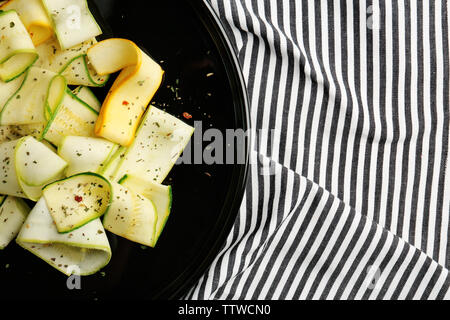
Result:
pixel 85 154
pixel 159 142
pixel 159 194
pixel 17 51
pixel 9 182
pixel 72 117
pixel 34 193
pixel 110 169
pixel 77 200
pixel 82 73
pixel 13 212
pixel 7 89
pixel 34 18
pixel 72 21
pixel 131 216
pixel 27 166
pixel 71 63
pixel 85 250
pixel 36 164
pixel 86 94
pixel 56 92
pixel 27 105
pixel 53 58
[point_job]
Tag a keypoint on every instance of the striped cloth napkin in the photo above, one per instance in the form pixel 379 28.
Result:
pixel 349 192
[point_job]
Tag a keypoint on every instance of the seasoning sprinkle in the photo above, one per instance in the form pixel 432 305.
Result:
pixel 187 115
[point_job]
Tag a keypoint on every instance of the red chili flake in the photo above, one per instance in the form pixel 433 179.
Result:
pixel 78 198
pixel 187 115
pixel 125 103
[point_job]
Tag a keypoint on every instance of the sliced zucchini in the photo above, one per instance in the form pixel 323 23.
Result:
pixel 56 93
pixel 110 169
pixel 85 249
pixel 7 89
pixel 9 183
pixel 159 194
pixel 13 212
pixel 130 93
pixel 82 73
pixel 17 52
pixel 34 193
pixel 52 57
pixel 71 63
pixel 36 164
pixel 72 117
pixel 27 105
pixel 35 130
pixel 159 142
pixel 8 133
pixel 86 154
pixel 28 165
pixel 34 18
pixel 73 22
pixel 131 216
pixel 86 94
pixel 77 200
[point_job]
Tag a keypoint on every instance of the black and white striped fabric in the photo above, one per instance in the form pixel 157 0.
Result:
pixel 349 193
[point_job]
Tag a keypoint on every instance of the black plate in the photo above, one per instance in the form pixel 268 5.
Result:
pixel 190 43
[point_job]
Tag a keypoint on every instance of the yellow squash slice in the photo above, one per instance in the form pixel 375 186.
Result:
pixel 34 18
pixel 132 90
